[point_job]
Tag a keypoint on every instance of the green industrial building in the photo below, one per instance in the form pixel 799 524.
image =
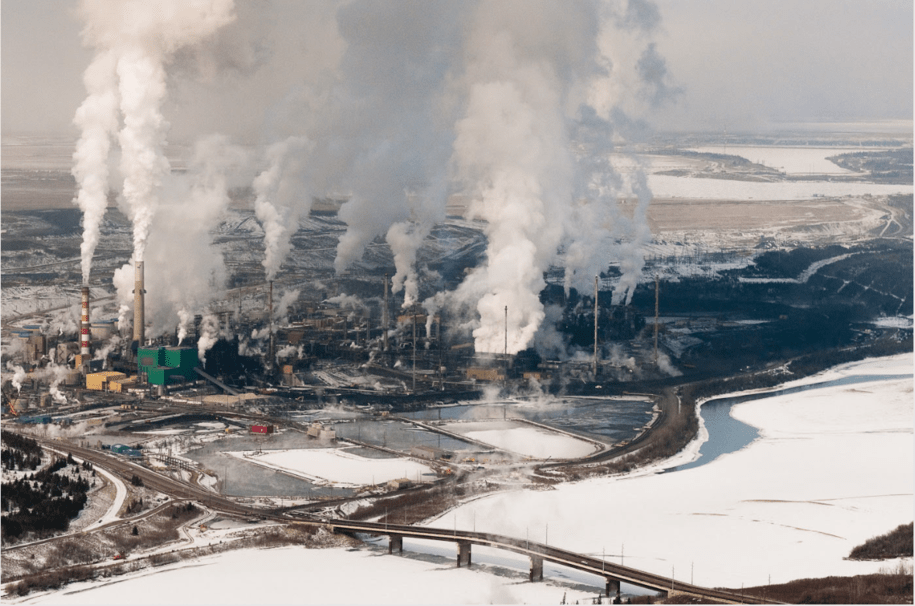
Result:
pixel 165 365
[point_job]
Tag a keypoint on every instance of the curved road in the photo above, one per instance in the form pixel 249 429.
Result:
pixel 608 570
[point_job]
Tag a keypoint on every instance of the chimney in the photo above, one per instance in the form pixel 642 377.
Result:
pixel 138 303
pixel 84 325
pixel 384 316
pixel 271 351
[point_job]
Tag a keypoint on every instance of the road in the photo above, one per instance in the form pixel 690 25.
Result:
pixel 596 566
pixel 535 550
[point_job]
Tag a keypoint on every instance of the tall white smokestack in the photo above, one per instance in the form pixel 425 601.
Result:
pixel 84 324
pixel 138 315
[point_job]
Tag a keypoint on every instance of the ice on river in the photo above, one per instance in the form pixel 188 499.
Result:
pixel 832 468
pixel 664 186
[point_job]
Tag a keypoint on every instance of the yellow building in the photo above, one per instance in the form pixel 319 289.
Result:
pixel 99 381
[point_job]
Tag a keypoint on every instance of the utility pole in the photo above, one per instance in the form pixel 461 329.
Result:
pixel 656 299
pixel 384 313
pixel 595 327
pixel 414 348
pixel 506 331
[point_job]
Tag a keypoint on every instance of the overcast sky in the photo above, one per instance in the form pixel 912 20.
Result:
pixel 743 65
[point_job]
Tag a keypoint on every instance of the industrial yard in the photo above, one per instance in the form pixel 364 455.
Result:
pixel 465 305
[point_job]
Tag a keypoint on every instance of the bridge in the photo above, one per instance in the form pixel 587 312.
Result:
pixel 538 553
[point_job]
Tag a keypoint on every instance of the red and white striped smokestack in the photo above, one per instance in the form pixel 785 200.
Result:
pixel 84 324
pixel 138 317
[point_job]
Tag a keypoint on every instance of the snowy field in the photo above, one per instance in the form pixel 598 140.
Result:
pixel 832 468
pixel 524 440
pixel 336 466
pixel 664 186
pixel 790 160
pixel 292 575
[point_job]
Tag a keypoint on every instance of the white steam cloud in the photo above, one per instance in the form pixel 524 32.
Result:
pixel 139 37
pixel 209 334
pixel 282 198
pixel 97 119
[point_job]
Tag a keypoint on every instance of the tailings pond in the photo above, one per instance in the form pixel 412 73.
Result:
pixel 608 420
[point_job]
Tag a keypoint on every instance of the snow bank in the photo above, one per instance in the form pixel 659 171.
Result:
pixel 293 575
pixel 832 468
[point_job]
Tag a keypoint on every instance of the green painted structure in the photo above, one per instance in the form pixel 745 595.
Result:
pixel 163 365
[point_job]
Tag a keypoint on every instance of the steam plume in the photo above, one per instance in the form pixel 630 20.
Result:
pixel 97 119
pixel 282 198
pixel 141 37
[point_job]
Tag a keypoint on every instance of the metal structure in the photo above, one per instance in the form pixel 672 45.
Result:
pixel 384 313
pixel 139 319
pixel 84 327
pixel 595 326
pixel 656 290
pixel 271 351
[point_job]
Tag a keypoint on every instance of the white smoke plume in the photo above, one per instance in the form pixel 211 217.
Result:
pixel 405 238
pixel 19 375
pixel 141 37
pixel 283 197
pixel 289 351
pixel 281 309
pixel 392 138
pixel 512 149
pixel 185 319
pixel 57 374
pixel 65 321
pixel 345 301
pixel 666 366
pixel 101 353
pixel 97 119
pixel 184 270
pixel 53 374
pixel 209 334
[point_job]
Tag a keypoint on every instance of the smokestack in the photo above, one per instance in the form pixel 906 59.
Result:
pixel 384 317
pixel 138 303
pixel 656 299
pixel 271 355
pixel 84 325
pixel 505 353
pixel 595 326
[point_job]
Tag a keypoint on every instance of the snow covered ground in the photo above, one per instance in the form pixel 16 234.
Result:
pixel 292 575
pixel 790 160
pixel 524 440
pixel 832 468
pixel 336 466
pixel 664 186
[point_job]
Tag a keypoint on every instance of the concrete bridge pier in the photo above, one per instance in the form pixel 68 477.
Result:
pixel 536 569
pixel 395 542
pixel 613 585
pixel 463 555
